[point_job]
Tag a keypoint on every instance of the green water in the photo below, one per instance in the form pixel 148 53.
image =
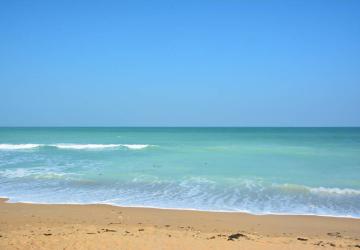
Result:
pixel 257 170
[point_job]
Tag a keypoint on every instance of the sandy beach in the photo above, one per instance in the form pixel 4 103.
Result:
pixel 37 226
pixel 179 125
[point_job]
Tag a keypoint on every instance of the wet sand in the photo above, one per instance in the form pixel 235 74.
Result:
pixel 35 226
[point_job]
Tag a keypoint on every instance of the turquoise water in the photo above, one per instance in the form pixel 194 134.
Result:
pixel 256 170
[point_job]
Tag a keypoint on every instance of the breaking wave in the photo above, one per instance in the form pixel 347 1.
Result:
pixel 85 146
pixel 73 146
pixel 135 146
pixel 199 193
pixel 18 146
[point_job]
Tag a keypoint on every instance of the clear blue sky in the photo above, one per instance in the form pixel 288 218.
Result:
pixel 180 63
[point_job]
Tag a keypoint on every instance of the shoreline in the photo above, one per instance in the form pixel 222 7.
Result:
pixel 44 226
pixel 7 200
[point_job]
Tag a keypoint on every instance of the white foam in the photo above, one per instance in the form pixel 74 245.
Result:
pixel 36 173
pixel 16 173
pixel 135 146
pixel 18 146
pixel 339 191
pixel 85 146
pixel 318 190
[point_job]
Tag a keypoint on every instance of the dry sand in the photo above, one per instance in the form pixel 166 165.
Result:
pixel 33 226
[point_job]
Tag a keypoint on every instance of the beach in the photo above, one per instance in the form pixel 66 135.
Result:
pixel 136 125
pixel 179 188
pixel 39 226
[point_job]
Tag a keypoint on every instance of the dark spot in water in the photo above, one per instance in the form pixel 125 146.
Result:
pixel 47 234
pixel 141 230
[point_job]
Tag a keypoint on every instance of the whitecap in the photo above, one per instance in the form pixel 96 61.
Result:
pixel 338 191
pixel 16 173
pixel 85 146
pixel 136 146
pixel 317 190
pixel 18 146
pixel 36 173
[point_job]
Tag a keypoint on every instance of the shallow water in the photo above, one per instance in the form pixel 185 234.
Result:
pixel 257 170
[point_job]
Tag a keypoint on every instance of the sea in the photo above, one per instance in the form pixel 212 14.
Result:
pixel 293 171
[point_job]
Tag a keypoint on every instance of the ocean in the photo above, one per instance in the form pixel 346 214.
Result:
pixel 256 170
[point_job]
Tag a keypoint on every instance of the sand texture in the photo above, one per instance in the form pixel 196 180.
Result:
pixel 33 226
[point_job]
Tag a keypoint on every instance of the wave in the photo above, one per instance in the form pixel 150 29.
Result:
pixel 37 173
pixel 293 188
pixel 196 193
pixel 135 146
pixel 100 146
pixel 18 146
pixel 85 146
pixel 338 191
pixel 73 146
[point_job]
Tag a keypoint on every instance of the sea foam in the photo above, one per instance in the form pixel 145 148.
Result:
pixel 85 146
pixel 18 146
pixel 135 146
pixel 35 173
pixel 72 146
pixel 335 191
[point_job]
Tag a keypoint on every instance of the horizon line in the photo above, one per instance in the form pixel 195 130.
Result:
pixel 210 126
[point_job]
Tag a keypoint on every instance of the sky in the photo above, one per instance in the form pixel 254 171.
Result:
pixel 180 63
